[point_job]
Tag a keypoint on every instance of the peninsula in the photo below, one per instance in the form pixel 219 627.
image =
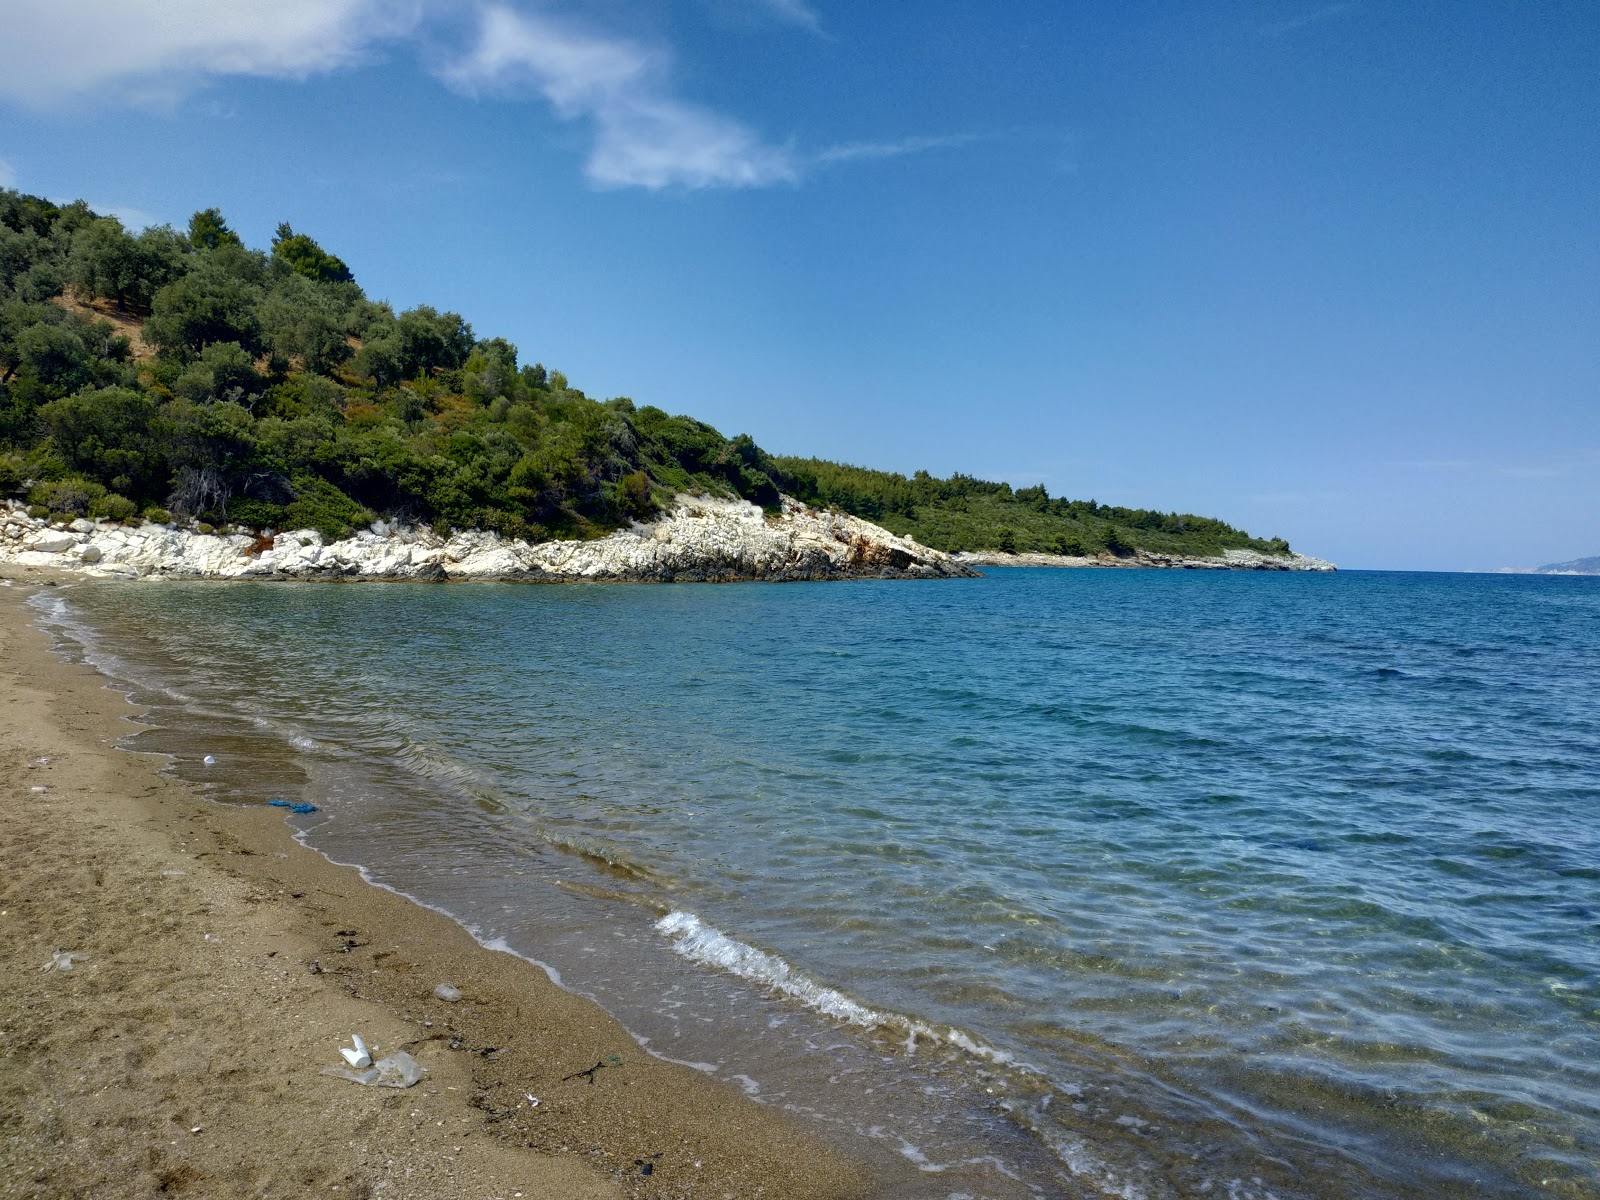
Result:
pixel 176 403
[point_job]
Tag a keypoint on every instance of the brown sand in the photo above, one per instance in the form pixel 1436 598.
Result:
pixel 183 1056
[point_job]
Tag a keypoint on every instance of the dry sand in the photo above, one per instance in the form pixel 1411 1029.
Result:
pixel 226 964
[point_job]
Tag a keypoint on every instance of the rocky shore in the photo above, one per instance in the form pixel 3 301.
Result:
pixel 1228 560
pixel 701 539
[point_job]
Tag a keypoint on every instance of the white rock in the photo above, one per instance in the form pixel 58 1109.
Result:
pixel 699 538
pixel 53 543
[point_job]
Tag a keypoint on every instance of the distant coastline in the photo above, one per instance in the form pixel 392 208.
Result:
pixel 1576 566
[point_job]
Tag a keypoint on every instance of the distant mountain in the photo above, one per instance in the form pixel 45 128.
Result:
pixel 1578 566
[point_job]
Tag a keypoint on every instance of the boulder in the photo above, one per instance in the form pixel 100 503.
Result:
pixel 53 543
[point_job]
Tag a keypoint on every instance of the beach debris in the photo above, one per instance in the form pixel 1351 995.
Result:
pixel 37 790
pixel 314 967
pixel 447 992
pixel 210 760
pixel 357 1056
pixel 533 1101
pixel 41 761
pixel 295 806
pixel 647 1165
pixel 62 960
pixel 397 1070
pixel 610 1060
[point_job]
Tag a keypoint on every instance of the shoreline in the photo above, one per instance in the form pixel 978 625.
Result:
pixel 185 1052
pixel 701 539
pixel 1228 560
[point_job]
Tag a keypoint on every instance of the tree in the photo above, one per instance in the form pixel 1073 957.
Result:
pixel 304 321
pixel 207 230
pixel 305 257
pixel 105 433
pixel 420 340
pixel 222 372
pixel 207 305
pixel 106 262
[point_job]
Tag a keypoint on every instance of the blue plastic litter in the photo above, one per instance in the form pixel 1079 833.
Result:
pixel 299 807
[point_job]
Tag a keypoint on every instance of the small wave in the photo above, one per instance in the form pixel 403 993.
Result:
pixel 709 946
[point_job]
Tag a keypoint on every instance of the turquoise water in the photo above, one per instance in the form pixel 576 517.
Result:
pixel 1050 883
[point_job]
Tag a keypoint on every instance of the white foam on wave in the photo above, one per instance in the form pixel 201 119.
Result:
pixel 702 943
pixel 709 946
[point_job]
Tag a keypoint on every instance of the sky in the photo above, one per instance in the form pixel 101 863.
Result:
pixel 1328 271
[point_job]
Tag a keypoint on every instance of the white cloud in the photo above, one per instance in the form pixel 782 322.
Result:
pixel 8 174
pixel 1314 17
pixel 857 151
pixel 792 12
pixel 644 136
pixel 158 49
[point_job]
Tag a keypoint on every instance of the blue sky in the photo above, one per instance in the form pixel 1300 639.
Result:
pixel 1326 270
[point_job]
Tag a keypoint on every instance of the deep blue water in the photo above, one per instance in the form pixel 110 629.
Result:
pixel 1140 883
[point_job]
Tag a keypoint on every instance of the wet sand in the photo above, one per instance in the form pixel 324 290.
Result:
pixel 226 965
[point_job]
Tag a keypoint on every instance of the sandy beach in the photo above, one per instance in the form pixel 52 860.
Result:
pixel 225 965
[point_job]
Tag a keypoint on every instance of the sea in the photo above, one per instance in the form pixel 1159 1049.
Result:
pixel 1078 883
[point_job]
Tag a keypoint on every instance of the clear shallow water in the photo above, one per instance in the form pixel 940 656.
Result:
pixel 1063 882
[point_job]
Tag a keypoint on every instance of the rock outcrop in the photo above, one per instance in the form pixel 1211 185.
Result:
pixel 1228 560
pixel 699 539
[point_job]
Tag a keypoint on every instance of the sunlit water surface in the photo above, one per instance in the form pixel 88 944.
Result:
pixel 1140 884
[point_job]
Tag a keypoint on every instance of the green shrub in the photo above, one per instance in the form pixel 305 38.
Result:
pixel 157 516
pixel 38 512
pixel 114 508
pixel 203 527
pixel 633 496
pixel 257 514
pixel 1071 546
pixel 11 476
pixel 70 496
pixel 1006 541
pixel 319 505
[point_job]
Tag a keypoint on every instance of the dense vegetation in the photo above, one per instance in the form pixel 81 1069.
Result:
pixel 184 375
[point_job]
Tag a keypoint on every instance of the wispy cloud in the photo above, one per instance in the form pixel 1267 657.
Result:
pixel 8 174
pixel 1553 467
pixel 1435 464
pixel 644 135
pixel 792 12
pixel 641 131
pixel 157 50
pixel 1293 499
pixel 1289 25
pixel 858 151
